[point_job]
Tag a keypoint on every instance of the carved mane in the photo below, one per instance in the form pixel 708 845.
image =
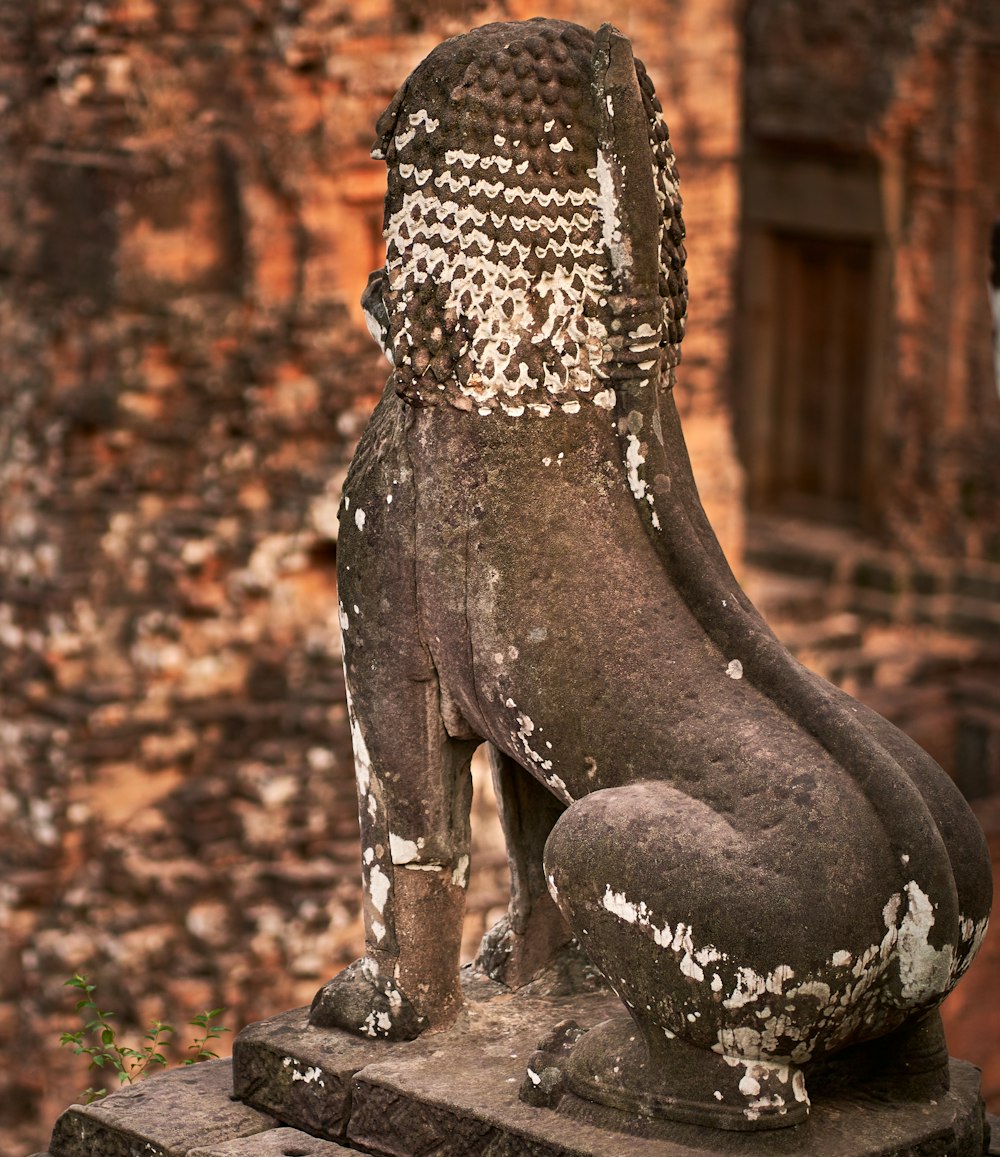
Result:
pixel 500 225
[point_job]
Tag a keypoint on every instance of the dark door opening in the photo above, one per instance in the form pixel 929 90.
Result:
pixel 807 454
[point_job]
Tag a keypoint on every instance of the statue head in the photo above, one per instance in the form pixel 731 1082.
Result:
pixel 506 227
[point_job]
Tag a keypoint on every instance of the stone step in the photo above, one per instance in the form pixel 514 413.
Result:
pixel 281 1142
pixel 187 1112
pixel 322 1093
pixel 455 1094
pixel 277 1142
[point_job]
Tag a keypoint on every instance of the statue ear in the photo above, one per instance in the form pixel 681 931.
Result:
pixel 627 195
pixel 385 127
pixel 631 228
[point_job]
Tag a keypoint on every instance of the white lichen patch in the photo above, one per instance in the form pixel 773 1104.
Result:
pixel 973 933
pixel 311 1076
pixel 525 729
pixel 768 1085
pixel 378 888
pixel 924 971
pixel 644 337
pixel 773 1101
pixel 362 760
pixel 735 669
pixel 799 1087
pixel 404 851
pixel 749 1086
pixel 376 1024
pixel 359 518
pixel 782 1017
pixel 423 117
pixel 557 785
pixel 634 459
pixel 477 244
pixel 460 873
pixel 611 228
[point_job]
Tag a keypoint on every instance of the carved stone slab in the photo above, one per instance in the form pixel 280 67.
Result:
pixel 164 1116
pixel 455 1093
pixel 274 1143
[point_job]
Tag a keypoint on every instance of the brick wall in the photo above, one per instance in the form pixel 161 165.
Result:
pixel 187 217
pixel 912 87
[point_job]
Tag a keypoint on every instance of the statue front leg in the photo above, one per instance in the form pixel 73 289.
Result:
pixel 414 794
pixel 414 782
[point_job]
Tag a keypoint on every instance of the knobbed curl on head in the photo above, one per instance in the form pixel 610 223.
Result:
pixel 499 291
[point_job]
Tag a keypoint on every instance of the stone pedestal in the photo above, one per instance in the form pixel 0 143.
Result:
pixel 297 1089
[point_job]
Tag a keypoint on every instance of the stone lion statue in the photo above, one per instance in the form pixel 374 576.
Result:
pixel 771 877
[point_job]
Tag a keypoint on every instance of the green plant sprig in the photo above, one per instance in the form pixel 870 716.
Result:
pixel 210 1032
pixel 98 1040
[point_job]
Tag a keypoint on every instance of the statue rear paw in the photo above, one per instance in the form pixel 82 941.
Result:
pixel 613 1065
pixel 359 1001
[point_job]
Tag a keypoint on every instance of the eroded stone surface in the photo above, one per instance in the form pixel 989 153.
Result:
pixel 163 1116
pixel 456 1093
pixel 273 1143
pixel 299 1073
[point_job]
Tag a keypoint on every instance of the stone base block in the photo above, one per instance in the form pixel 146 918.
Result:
pixel 455 1094
pixel 188 1112
pixel 319 1093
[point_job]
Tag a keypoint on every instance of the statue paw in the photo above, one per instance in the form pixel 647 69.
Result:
pixel 359 1001
pixel 545 947
pixel 545 1077
pixel 496 950
pixel 611 1065
pixel 552 966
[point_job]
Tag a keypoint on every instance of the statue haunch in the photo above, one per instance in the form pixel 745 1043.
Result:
pixel 769 875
